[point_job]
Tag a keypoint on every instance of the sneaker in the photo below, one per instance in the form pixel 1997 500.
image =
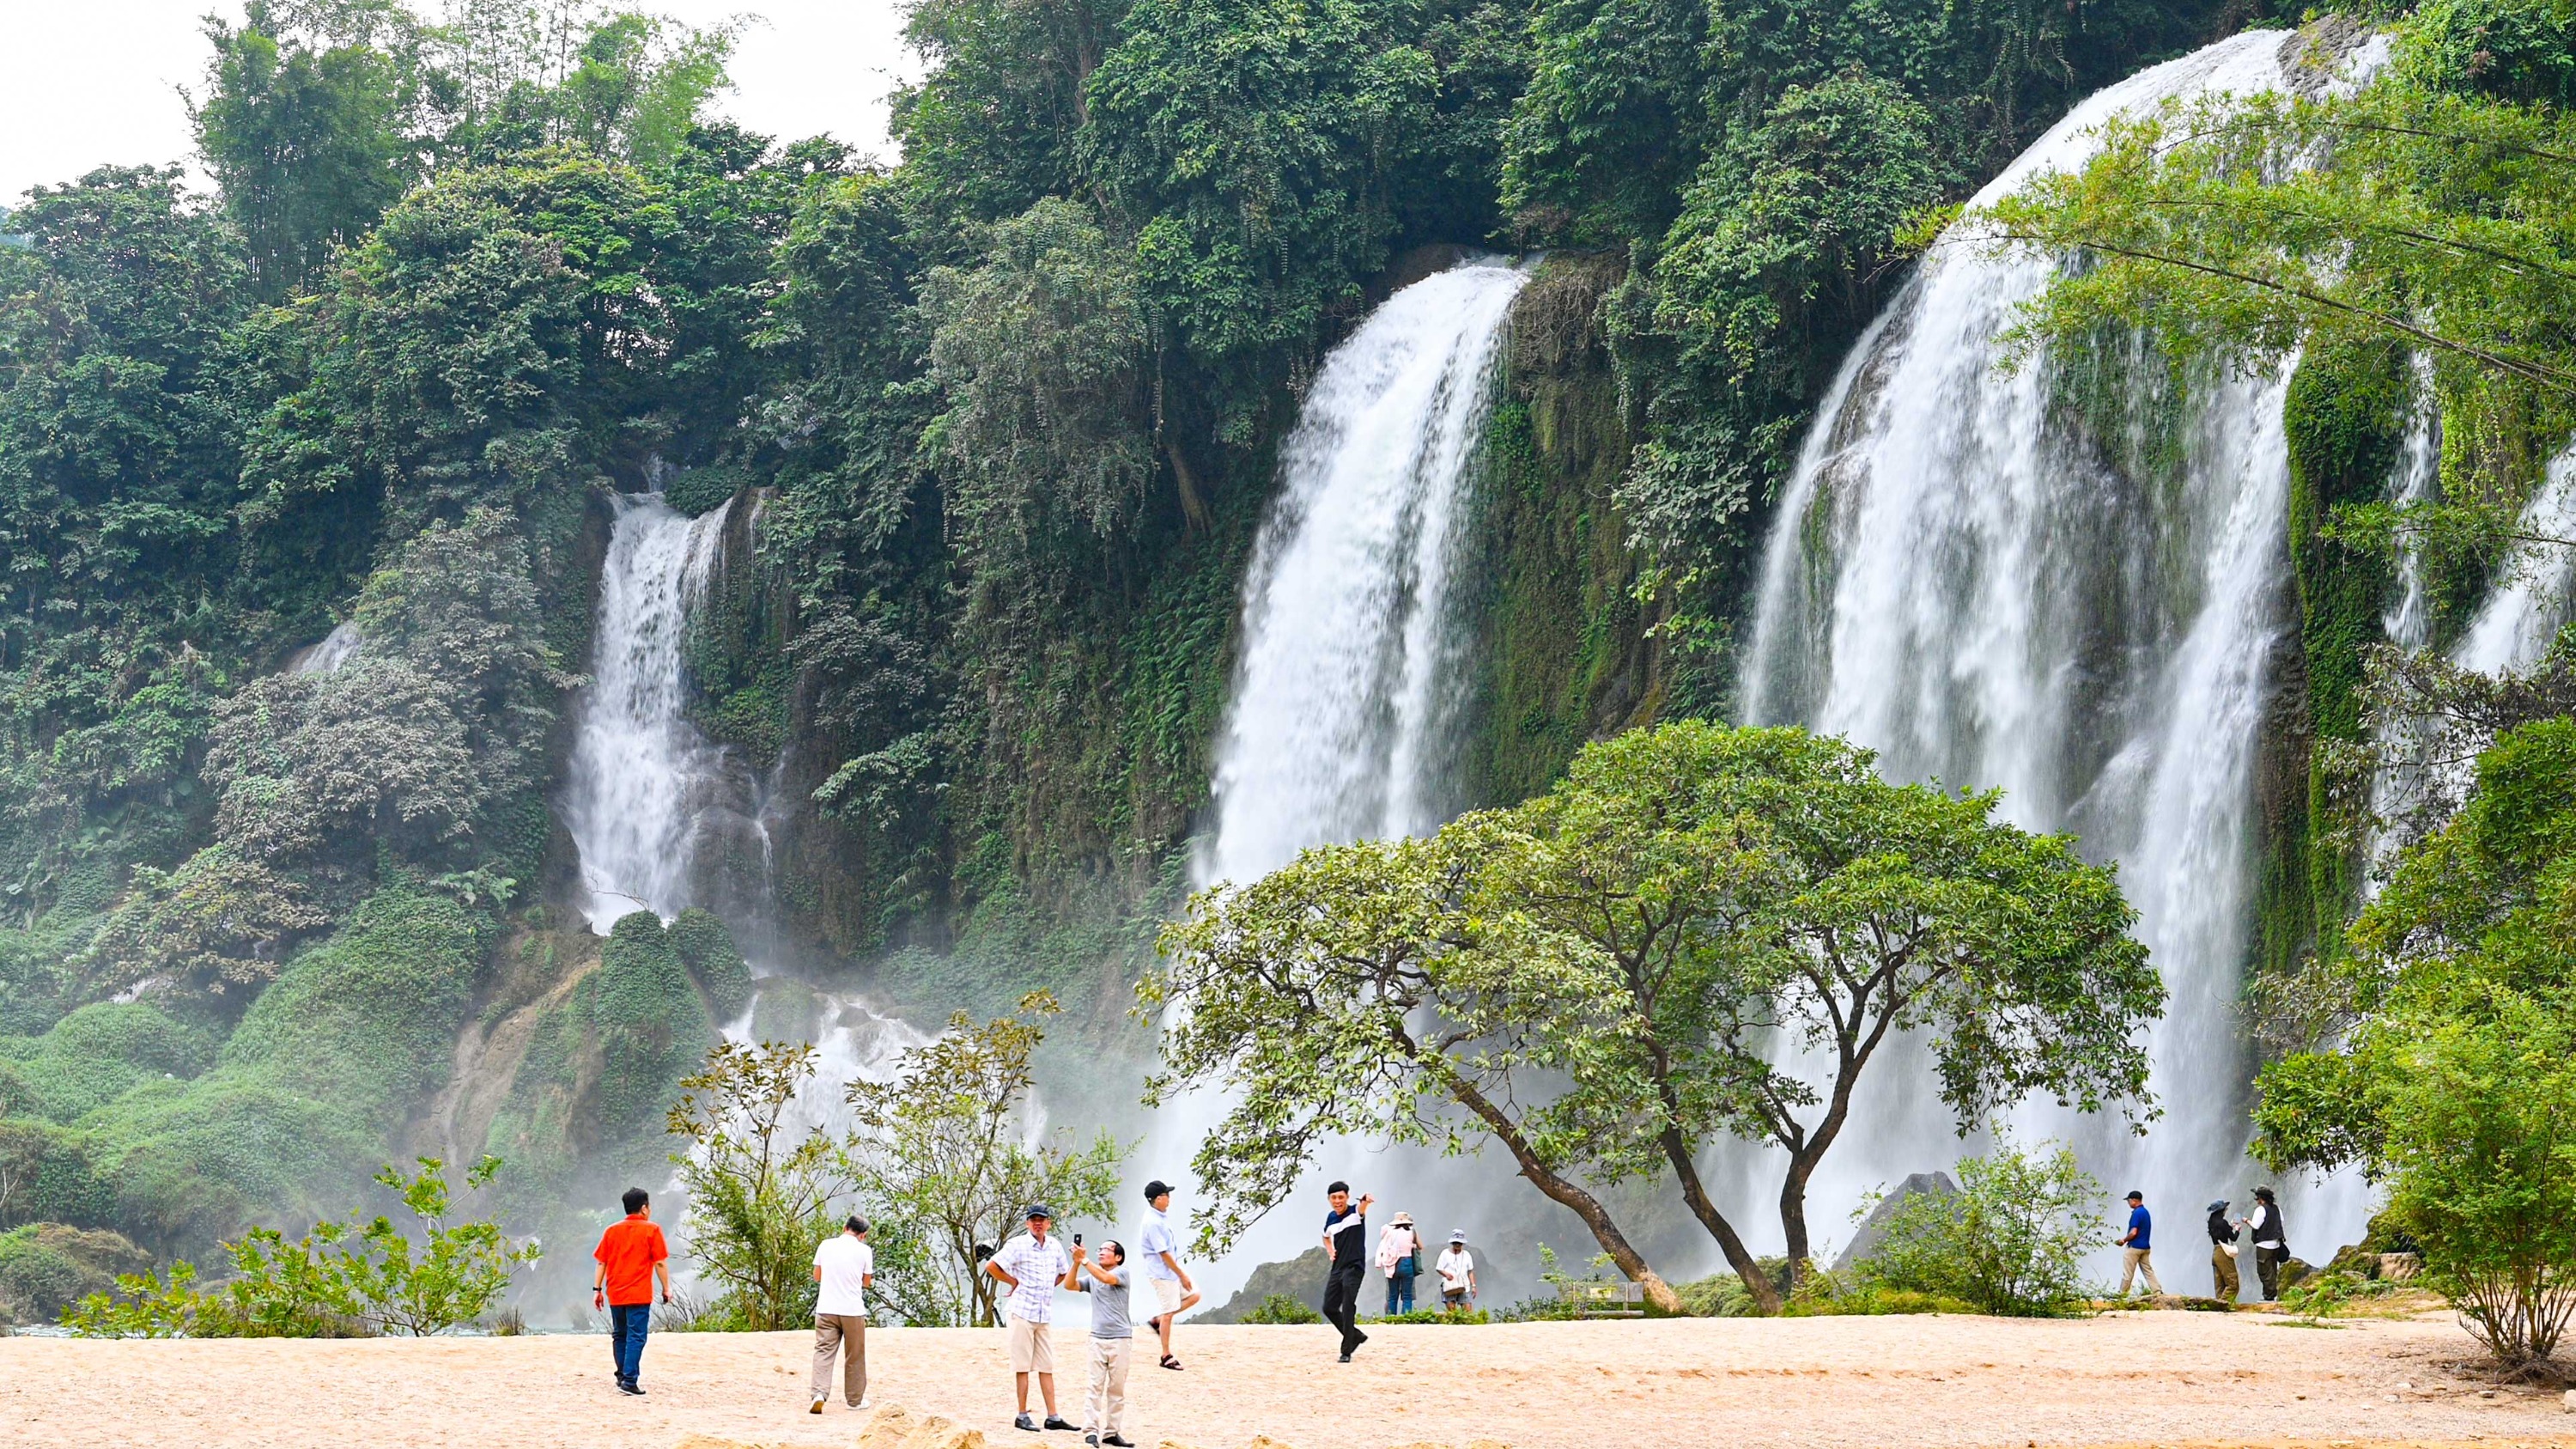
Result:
pixel 629 1386
pixel 1025 1422
pixel 1112 1441
pixel 1346 1355
pixel 1055 1423
pixel 864 1404
pixel 818 1407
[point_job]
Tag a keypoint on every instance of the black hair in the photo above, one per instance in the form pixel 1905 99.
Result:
pixel 856 1224
pixel 635 1199
pixel 1338 1186
pixel 1113 1245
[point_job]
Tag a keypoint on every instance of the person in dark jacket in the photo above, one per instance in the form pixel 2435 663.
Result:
pixel 2271 1242
pixel 2222 1254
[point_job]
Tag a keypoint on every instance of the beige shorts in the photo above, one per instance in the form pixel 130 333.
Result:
pixel 1167 1293
pixel 1030 1351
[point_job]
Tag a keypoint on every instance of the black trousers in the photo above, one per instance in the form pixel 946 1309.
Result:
pixel 1342 1306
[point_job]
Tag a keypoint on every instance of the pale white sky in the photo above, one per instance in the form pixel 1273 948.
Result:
pixel 95 81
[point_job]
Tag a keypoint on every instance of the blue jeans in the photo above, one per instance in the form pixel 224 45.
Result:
pixel 1399 1289
pixel 627 1325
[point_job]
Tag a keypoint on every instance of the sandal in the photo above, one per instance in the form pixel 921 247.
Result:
pixel 1170 1362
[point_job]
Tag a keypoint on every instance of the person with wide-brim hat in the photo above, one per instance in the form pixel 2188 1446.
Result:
pixel 2225 1282
pixel 1399 1257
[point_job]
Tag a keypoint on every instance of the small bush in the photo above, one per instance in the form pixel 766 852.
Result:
pixel 1432 1315
pixel 354 1279
pixel 1280 1308
pixel 2010 1241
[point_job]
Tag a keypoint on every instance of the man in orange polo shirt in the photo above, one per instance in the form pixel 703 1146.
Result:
pixel 631 1256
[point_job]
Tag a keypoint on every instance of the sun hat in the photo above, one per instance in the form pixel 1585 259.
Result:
pixel 1404 1220
pixel 2219 1206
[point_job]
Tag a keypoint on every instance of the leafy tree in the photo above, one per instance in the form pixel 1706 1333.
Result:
pixel 761 1185
pixel 2449 1077
pixel 2011 1240
pixel 2424 210
pixel 309 145
pixel 942 1144
pixel 1597 979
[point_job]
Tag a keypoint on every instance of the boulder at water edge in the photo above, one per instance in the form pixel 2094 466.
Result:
pixel 1873 1229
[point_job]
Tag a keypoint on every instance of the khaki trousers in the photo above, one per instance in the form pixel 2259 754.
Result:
pixel 836 1334
pixel 2133 1261
pixel 1106 1410
pixel 2222 1272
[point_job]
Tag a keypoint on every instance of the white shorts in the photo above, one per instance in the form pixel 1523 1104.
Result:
pixel 1030 1351
pixel 1167 1293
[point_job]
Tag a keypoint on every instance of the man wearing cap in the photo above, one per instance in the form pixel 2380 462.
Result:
pixel 1033 1266
pixel 2224 1278
pixel 1173 1294
pixel 2135 1245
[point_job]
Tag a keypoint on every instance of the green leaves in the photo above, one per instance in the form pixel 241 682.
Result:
pixel 1599 976
pixel 339 1280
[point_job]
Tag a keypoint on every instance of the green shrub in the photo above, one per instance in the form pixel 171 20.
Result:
pixel 55 1175
pixel 358 1278
pixel 1280 1308
pixel 2010 1241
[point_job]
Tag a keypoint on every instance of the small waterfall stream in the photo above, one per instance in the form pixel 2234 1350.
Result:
pixel 647 794
pixel 639 767
pixel 1967 585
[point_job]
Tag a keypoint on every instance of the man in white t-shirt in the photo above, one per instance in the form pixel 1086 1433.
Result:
pixel 1160 1251
pixel 1457 1270
pixel 843 1266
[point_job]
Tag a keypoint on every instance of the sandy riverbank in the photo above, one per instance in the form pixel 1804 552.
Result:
pixel 2123 1379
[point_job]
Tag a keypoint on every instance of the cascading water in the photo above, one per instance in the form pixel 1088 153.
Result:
pixel 1347 702
pixel 2529 602
pixel 1964 583
pixel 638 764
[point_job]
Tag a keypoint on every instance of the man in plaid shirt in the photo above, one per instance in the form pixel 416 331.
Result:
pixel 1034 1266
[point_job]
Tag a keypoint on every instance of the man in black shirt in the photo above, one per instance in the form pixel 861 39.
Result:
pixel 1346 1244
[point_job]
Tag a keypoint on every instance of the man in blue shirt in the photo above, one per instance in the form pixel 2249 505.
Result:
pixel 2135 1244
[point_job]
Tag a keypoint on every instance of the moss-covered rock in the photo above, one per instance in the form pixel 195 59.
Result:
pixel 706 948
pixel 47 1267
pixel 302 1102
pixel 96 1055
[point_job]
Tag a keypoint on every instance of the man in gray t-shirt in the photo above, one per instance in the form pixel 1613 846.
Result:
pixel 1105 1411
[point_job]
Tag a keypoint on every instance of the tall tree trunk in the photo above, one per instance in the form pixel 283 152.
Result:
pixel 1659 1294
pixel 1766 1294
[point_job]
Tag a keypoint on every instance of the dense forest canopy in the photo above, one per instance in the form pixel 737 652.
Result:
pixel 1003 416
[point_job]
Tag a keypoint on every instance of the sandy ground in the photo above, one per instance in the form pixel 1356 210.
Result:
pixel 2123 1379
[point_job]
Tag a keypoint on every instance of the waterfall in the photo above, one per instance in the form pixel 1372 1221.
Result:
pixel 638 765
pixel 1349 698
pixel 1347 704
pixel 2524 610
pixel 1963 582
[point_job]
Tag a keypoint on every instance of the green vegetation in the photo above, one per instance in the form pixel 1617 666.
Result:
pixel 364 1276
pixel 1642 933
pixel 760 1190
pixel 2011 1240
pixel 942 1147
pixel 1280 1308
